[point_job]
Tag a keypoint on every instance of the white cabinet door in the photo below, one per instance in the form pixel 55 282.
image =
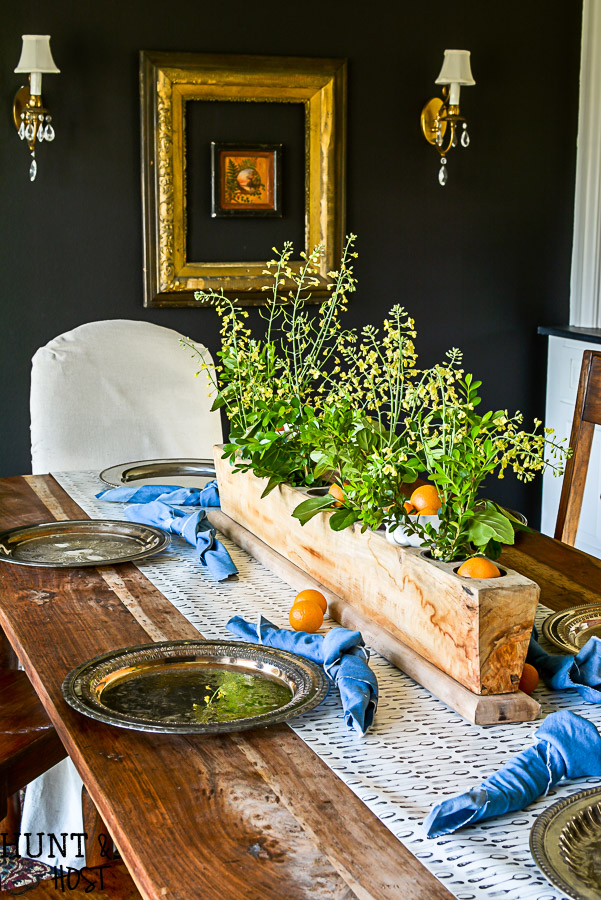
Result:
pixel 563 372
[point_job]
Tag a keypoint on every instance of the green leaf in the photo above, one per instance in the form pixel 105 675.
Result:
pixel 271 484
pixel 218 402
pixel 251 432
pixel 309 508
pixel 493 549
pixel 490 524
pixel 363 440
pixel 321 468
pixel 518 525
pixel 342 518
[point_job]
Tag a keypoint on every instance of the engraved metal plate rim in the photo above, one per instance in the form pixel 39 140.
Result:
pixel 113 475
pixel 553 622
pixel 102 526
pixel 77 690
pixel 537 841
pixel 549 629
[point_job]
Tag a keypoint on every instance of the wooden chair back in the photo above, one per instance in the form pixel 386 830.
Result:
pixel 587 414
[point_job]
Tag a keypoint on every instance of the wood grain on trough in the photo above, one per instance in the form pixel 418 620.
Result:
pixel 475 630
pixel 481 709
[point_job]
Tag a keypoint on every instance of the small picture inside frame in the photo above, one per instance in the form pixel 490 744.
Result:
pixel 246 179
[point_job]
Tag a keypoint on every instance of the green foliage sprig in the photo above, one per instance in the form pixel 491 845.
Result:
pixel 273 387
pixel 310 402
pixel 460 449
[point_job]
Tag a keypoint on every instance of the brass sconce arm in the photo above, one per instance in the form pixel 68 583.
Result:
pixel 31 118
pixel 437 118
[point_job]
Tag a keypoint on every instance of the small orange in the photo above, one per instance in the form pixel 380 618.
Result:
pixel 409 507
pixel 427 511
pixel 478 567
pixel 314 597
pixel 529 679
pixel 306 615
pixel 337 493
pixel 426 497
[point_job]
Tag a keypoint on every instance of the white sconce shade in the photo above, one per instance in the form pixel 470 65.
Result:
pixel 456 68
pixel 36 55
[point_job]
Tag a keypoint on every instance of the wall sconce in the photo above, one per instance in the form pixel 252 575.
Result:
pixel 440 118
pixel 31 118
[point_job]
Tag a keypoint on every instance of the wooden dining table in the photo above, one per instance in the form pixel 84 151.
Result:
pixel 245 815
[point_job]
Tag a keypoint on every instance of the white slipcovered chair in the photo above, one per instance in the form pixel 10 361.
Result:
pixel 107 393
pixel 115 392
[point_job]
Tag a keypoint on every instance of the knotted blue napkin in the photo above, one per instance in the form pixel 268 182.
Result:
pixel 194 527
pixel 208 496
pixel 568 746
pixel 560 671
pixel 342 654
pixel 152 507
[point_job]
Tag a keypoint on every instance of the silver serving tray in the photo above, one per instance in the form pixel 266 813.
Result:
pixel 571 628
pixel 179 472
pixel 163 686
pixel 565 842
pixel 87 542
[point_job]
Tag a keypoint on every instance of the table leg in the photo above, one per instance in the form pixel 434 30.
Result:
pixel 99 843
pixel 8 657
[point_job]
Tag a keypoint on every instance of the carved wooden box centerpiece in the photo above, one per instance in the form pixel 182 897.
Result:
pixel 475 630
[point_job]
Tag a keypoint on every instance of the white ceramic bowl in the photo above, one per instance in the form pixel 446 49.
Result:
pixel 402 538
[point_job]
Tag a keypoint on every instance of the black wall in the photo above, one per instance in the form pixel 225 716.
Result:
pixel 479 263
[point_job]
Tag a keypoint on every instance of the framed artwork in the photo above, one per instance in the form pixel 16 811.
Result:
pixel 214 207
pixel 246 180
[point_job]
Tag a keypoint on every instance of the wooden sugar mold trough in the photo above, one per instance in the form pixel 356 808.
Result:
pixel 474 630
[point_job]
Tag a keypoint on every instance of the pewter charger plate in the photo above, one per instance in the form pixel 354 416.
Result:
pixel 195 687
pixel 87 542
pixel 181 472
pixel 565 842
pixel 570 629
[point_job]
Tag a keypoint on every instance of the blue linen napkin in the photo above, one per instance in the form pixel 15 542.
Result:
pixel 208 496
pixel 342 654
pixel 194 527
pixel 568 746
pixel 562 670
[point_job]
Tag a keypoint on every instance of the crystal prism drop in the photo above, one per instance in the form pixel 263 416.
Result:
pixel 454 143
pixel 49 133
pixel 442 176
pixel 465 139
pixel 40 135
pixel 33 169
pixel 29 132
pixel 22 130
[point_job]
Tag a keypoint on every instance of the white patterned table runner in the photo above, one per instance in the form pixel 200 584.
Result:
pixel 418 752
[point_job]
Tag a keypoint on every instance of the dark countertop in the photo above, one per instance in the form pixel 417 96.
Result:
pixel 590 335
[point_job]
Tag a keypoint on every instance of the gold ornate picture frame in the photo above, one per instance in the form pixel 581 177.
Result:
pixel 168 81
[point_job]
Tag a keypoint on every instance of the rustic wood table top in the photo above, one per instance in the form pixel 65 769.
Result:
pixel 236 816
